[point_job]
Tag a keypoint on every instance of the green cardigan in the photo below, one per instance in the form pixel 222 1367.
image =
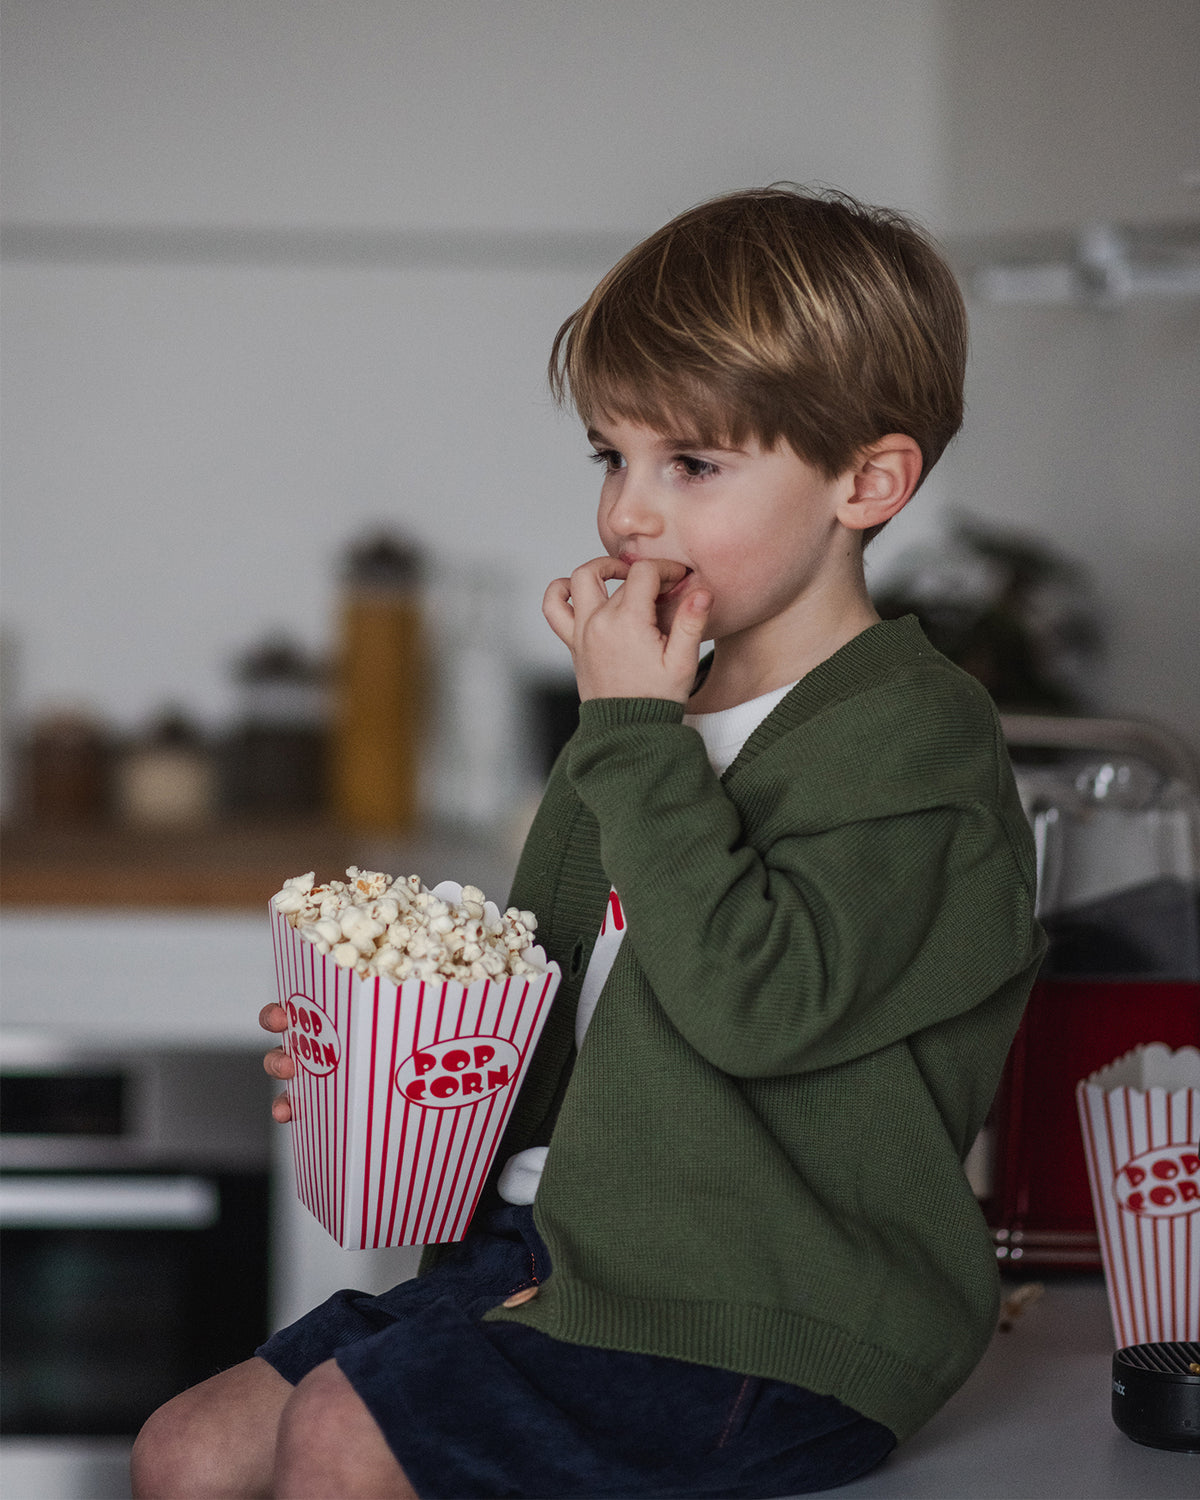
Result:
pixel 755 1160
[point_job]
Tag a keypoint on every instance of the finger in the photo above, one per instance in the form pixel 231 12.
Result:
pixel 682 650
pixel 281 1109
pixel 653 576
pixel 278 1064
pixel 556 606
pixel 588 583
pixel 570 601
pixel 273 1017
pixel 669 573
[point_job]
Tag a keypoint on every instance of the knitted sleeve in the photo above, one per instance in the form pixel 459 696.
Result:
pixel 816 903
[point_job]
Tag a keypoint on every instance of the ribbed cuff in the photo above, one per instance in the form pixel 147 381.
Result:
pixel 615 713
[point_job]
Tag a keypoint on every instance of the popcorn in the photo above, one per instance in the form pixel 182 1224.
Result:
pixel 399 929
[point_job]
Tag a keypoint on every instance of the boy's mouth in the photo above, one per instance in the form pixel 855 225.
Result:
pixel 676 588
pixel 672 590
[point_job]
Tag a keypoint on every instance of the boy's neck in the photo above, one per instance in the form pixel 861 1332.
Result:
pixel 742 670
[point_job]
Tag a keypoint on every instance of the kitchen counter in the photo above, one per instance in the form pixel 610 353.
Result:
pixel 1034 1421
pixel 227 866
pixel 223 865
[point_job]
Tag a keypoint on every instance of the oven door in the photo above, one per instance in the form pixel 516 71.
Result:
pixel 121 1288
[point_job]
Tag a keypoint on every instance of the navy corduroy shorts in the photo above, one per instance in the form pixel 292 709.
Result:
pixel 474 1409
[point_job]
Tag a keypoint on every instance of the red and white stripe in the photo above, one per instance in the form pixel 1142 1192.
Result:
pixel 1151 1262
pixel 373 1166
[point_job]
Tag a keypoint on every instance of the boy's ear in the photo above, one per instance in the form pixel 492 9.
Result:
pixel 884 476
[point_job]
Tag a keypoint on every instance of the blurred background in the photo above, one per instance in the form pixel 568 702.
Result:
pixel 280 280
pixel 283 487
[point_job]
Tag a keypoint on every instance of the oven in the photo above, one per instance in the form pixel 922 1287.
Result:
pixel 134 1221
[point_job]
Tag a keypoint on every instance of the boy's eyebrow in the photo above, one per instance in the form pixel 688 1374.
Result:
pixel 670 440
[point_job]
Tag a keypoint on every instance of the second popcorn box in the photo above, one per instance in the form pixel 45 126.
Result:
pixel 410 1045
pixel 1140 1118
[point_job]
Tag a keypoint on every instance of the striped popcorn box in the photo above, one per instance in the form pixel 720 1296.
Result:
pixel 1140 1118
pixel 402 1091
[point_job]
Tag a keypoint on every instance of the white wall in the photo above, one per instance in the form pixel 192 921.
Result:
pixel 510 114
pixel 278 268
pixel 196 425
pixel 1065 111
pixel 1082 423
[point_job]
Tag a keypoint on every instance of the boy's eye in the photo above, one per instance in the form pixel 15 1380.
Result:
pixel 695 468
pixel 609 457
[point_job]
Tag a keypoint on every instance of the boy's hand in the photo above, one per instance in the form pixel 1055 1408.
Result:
pixel 618 643
pixel 277 1063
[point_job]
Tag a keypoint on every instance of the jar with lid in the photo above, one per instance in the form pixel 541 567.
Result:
pixel 379 688
pixel 275 756
pixel 168 778
pixel 68 765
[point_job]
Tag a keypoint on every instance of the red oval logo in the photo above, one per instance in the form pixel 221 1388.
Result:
pixel 1160 1183
pixel 312 1041
pixel 464 1070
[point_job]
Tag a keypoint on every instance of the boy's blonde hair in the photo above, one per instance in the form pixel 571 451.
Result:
pixel 775 314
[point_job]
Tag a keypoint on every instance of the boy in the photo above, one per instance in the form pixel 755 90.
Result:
pixel 731 1249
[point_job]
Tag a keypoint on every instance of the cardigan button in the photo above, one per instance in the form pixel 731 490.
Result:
pixel 527 1294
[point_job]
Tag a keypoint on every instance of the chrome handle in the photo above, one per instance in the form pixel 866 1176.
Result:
pixel 1165 750
pixel 108 1203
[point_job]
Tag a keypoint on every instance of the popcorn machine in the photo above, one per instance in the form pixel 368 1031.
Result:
pixel 1115 811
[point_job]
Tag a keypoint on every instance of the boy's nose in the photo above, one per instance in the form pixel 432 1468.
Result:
pixel 635 513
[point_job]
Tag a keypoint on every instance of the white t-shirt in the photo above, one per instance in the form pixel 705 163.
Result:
pixel 724 733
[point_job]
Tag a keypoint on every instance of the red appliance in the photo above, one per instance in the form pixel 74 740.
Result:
pixel 1040 1209
pixel 1116 821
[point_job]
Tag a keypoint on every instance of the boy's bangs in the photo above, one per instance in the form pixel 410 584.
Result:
pixel 627 353
pixel 688 409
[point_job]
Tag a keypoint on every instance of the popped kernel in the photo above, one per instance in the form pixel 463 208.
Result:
pixel 399 929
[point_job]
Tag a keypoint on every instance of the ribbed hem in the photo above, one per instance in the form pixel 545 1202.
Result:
pixel 762 1341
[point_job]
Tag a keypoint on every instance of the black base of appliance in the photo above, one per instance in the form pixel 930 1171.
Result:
pixel 1156 1395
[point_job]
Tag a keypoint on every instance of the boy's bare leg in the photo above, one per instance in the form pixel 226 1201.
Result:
pixel 215 1439
pixel 329 1444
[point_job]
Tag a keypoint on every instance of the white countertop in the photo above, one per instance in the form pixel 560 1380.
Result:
pixel 137 979
pixel 1034 1421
